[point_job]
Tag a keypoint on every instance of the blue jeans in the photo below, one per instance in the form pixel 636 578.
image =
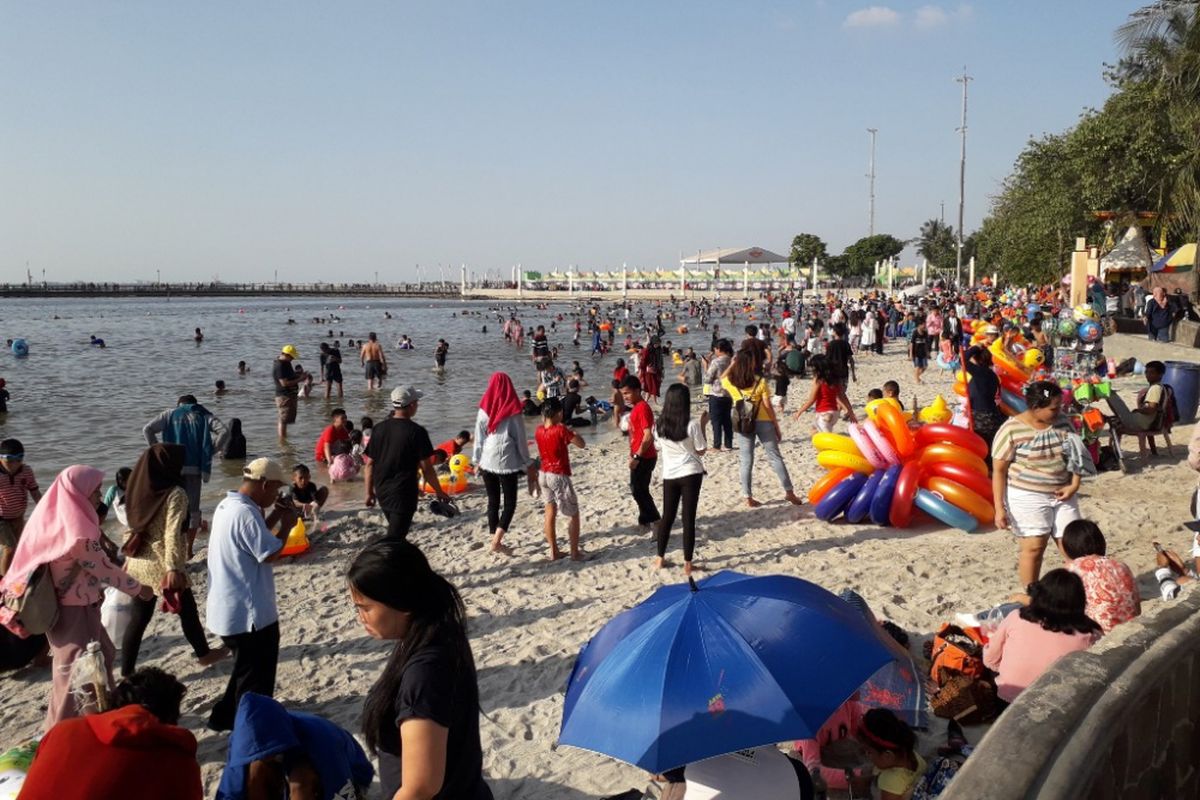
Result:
pixel 1159 334
pixel 764 432
pixel 720 414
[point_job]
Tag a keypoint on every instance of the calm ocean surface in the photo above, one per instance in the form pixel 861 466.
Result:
pixel 73 403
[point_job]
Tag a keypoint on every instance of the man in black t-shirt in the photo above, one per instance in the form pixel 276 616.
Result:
pixel 841 357
pixel 399 451
pixel 287 387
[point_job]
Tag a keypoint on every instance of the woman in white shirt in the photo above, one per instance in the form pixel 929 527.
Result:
pixel 681 443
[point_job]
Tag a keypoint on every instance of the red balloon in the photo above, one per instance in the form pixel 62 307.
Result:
pixel 900 514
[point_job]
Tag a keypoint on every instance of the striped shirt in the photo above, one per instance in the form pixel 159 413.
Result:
pixel 14 491
pixel 1038 457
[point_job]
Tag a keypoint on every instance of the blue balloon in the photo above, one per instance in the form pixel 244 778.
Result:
pixel 860 507
pixel 944 512
pixel 839 497
pixel 20 348
pixel 881 504
pixel 1013 400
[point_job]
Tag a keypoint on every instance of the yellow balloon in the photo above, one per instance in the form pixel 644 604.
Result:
pixel 1033 358
pixel 835 442
pixel 831 459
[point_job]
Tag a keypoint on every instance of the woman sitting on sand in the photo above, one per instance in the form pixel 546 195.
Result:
pixel 1112 593
pixel 744 385
pixel 1030 640
pixel 423 712
pixel 501 453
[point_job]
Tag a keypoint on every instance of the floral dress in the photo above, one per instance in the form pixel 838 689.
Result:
pixel 1112 593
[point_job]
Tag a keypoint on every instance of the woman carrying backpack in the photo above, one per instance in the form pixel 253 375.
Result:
pixel 63 532
pixel 754 421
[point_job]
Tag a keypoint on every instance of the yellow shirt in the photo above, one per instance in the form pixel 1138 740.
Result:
pixel 759 394
pixel 901 781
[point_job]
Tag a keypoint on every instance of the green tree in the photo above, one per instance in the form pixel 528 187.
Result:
pixel 806 247
pixel 861 256
pixel 937 244
pixel 1162 65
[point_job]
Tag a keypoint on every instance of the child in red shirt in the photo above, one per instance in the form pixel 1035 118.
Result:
pixel 558 493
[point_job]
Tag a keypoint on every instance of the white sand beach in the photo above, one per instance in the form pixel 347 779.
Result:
pixel 529 617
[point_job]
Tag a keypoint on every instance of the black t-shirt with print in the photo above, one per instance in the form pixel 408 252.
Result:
pixel 397 448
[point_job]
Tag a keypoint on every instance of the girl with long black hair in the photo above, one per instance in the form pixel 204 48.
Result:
pixel 421 717
pixel 681 445
pixel 1029 641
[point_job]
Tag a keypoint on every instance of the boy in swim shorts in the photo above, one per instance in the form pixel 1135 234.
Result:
pixel 553 438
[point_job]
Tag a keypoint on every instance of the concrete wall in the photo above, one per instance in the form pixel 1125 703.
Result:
pixel 1121 720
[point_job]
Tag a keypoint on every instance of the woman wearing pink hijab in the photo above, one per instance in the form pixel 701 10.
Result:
pixel 64 532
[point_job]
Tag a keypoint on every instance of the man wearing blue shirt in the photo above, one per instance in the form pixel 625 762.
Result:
pixel 241 584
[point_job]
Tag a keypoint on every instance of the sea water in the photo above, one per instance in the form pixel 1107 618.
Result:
pixel 75 403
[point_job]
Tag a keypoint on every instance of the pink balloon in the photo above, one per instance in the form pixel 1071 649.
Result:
pixel 882 445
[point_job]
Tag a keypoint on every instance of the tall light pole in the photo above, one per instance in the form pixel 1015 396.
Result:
pixel 962 176
pixel 871 185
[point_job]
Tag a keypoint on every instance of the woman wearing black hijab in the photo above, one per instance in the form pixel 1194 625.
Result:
pixel 156 552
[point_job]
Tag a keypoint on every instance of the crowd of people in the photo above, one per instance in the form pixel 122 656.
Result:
pixel 420 719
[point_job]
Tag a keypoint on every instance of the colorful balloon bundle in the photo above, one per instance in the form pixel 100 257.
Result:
pixel 883 471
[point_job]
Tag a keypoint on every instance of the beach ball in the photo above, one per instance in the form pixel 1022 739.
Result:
pixel 1032 310
pixel 1089 331
pixel 1032 359
pixel 1066 327
pixel 20 348
pixel 1083 312
pixel 459 464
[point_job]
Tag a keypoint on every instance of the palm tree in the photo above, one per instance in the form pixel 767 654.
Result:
pixel 936 243
pixel 1162 47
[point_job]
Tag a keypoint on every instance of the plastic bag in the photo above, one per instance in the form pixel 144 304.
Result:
pixel 115 613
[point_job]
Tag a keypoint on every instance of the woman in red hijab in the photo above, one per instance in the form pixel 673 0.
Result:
pixel 501 454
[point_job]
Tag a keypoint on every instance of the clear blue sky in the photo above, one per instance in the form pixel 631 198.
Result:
pixel 330 141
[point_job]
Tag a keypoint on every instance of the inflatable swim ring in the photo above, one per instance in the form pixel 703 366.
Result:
pixel 20 348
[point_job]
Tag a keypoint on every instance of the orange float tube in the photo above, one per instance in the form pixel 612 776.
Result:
pixel 961 497
pixel 965 476
pixel 939 452
pixel 889 418
pixel 936 432
pixel 830 480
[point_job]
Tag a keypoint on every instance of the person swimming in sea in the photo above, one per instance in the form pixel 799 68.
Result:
pixel 97 342
pixel 199 337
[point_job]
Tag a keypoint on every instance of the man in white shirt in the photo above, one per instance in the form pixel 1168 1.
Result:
pixel 241 584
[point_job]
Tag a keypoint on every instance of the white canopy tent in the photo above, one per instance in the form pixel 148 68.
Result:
pixel 1130 254
pixel 731 255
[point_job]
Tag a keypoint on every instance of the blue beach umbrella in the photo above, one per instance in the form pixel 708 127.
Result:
pixel 729 663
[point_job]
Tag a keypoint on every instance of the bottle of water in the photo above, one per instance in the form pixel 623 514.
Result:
pixel 89 681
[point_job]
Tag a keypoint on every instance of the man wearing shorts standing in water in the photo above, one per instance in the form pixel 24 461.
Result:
pixel 287 387
pixel 372 359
